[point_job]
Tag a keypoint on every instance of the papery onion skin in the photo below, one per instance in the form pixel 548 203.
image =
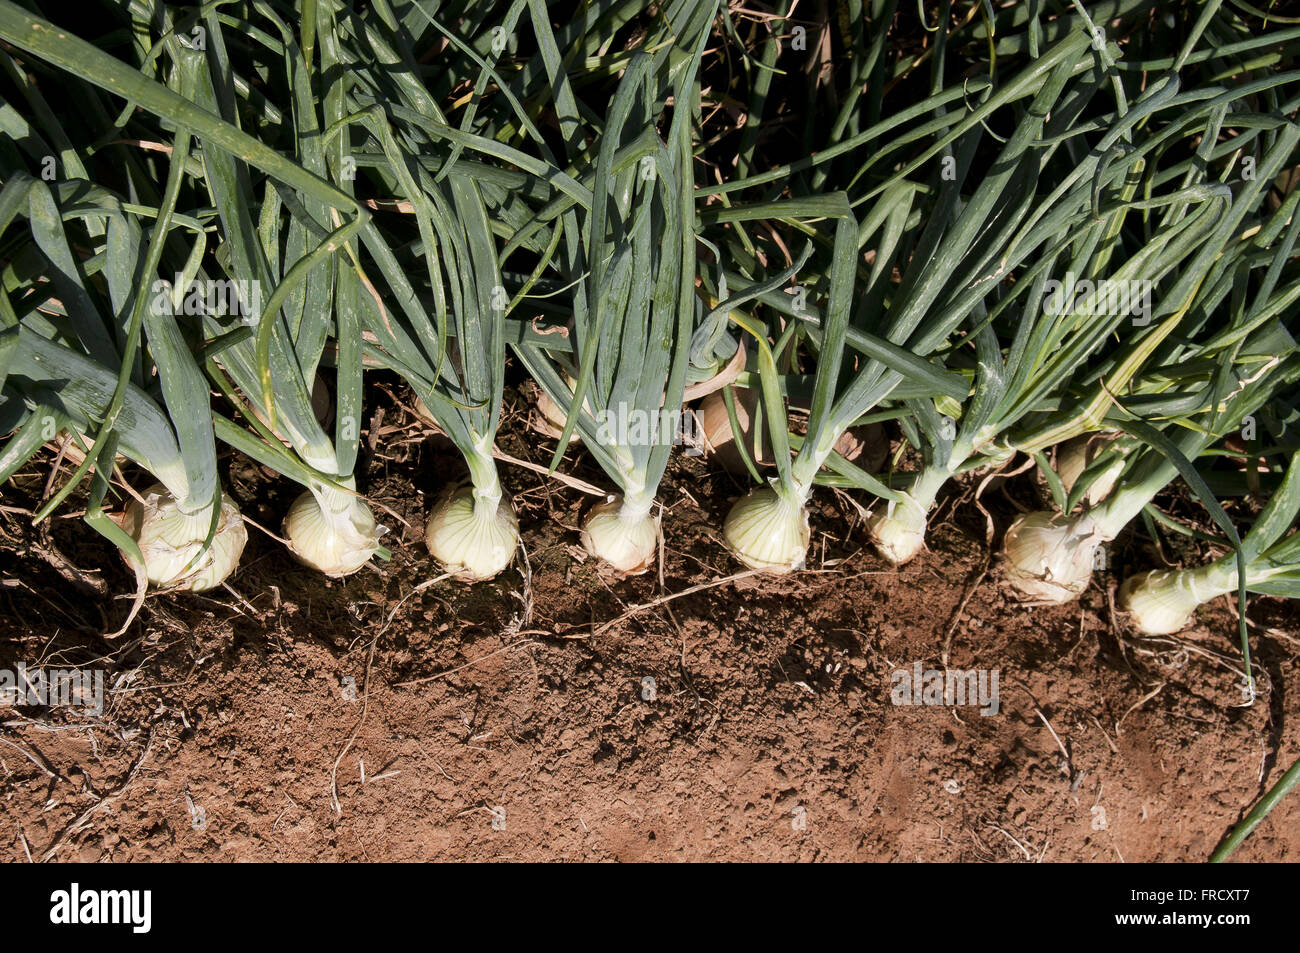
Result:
pixel 899 536
pixel 336 543
pixel 550 419
pixel 169 540
pixel 623 536
pixel 1049 558
pixel 1162 602
pixel 720 440
pixel 866 445
pixel 473 538
pixel 768 532
pixel 1157 607
pixel 1077 454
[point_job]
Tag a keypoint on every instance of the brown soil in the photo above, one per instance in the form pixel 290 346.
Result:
pixel 507 720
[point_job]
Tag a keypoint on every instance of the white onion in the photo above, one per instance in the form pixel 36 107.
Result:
pixel 1050 558
pixel 474 536
pixel 338 538
pixel 170 539
pixel 623 535
pixel 898 532
pixel 1163 602
pixel 1157 606
pixel 767 531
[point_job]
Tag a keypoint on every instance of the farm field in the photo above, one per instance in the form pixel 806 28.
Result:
pixel 649 431
pixel 767 698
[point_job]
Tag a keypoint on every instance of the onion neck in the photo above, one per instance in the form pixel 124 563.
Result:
pixel 1220 577
pixel 196 522
pixel 806 466
pixel 926 486
pixel 172 475
pixel 1204 582
pixel 635 507
pixel 1125 502
pixel 483 475
pixel 335 500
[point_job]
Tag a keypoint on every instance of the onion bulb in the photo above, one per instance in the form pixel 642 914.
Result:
pixel 1157 607
pixel 473 535
pixel 337 536
pixel 170 539
pixel 1051 558
pixel 1076 455
pixel 622 534
pixel 768 531
pixel 551 419
pixel 1163 602
pixel 899 532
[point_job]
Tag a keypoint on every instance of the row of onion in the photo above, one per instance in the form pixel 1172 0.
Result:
pixel 934 294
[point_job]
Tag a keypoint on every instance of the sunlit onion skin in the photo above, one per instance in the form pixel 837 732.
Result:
pixel 170 539
pixel 898 532
pixel 474 536
pixel 1049 558
pixel 768 531
pixel 1162 602
pixel 623 535
pixel 338 540
pixel 1076 455
pixel 1156 606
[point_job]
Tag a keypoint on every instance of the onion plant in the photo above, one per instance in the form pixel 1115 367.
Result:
pixel 1047 348
pixel 180 533
pixel 1202 383
pixel 78 334
pixel 278 252
pixel 445 336
pixel 1051 557
pixel 287 246
pixel 951 258
pixel 472 530
pixel 1067 311
pixel 1162 602
pixel 629 246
